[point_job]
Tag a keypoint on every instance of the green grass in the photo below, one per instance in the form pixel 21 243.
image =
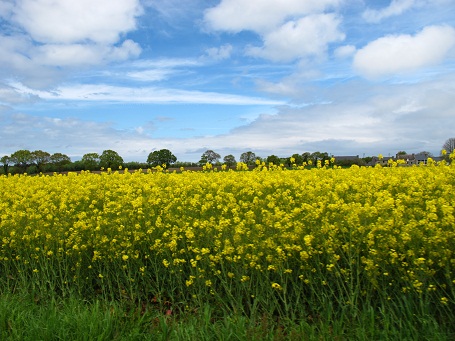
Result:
pixel 25 317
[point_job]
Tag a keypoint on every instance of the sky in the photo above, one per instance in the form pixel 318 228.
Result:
pixel 275 77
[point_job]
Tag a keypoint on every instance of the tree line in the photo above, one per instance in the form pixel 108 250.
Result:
pixel 38 161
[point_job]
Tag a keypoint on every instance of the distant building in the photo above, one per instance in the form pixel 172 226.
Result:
pixel 347 157
pixel 410 159
pixel 377 161
pixel 347 160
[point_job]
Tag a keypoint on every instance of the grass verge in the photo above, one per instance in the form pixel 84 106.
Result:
pixel 23 317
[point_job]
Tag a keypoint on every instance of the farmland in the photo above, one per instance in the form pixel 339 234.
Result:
pixel 321 253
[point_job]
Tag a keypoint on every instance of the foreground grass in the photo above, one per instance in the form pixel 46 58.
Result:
pixel 24 317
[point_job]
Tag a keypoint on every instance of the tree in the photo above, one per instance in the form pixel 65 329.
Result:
pixel 249 158
pixel 449 145
pixel 110 159
pixel 402 152
pixel 5 160
pixel 22 159
pixel 91 161
pixel 209 156
pixel 298 159
pixel 229 160
pixel 161 157
pixel 306 157
pixel 59 160
pixel 319 156
pixel 427 154
pixel 274 159
pixel 40 158
pixel 367 159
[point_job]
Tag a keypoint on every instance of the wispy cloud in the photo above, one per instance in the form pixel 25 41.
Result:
pixel 395 8
pixel 109 93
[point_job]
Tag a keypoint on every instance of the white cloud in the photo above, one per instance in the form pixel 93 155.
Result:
pixel 219 53
pixel 164 63
pixel 396 7
pixel 46 38
pixel 109 93
pixel 16 62
pixel 56 135
pixel 261 15
pixel 403 53
pixel 150 75
pixel 368 119
pixel 358 118
pixel 290 29
pixel 68 21
pixel 152 70
pixel 308 36
pixel 10 95
pixel 83 54
pixel 6 8
pixel 14 52
pixel 345 51
pixel 128 49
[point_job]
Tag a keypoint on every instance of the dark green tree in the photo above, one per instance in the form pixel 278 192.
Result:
pixel 319 156
pixel 59 160
pixel 110 159
pixel 248 157
pixel 298 159
pixel 91 161
pixel 229 160
pixel 209 156
pixel 40 159
pixel 5 161
pixel 306 156
pixel 22 159
pixel 161 157
pixel 274 159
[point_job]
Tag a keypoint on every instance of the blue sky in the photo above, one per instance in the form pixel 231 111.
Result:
pixel 273 77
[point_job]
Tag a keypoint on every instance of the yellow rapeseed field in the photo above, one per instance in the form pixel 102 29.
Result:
pixel 373 231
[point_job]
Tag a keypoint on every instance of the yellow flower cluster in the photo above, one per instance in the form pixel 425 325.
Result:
pixel 390 227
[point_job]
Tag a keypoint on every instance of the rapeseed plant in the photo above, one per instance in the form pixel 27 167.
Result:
pixel 352 235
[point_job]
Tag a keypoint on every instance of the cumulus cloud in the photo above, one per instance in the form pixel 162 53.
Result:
pixel 46 37
pixel 219 53
pixel 67 21
pixel 308 36
pixel 289 29
pixel 396 54
pixel 261 15
pixel 396 7
pixel 345 51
